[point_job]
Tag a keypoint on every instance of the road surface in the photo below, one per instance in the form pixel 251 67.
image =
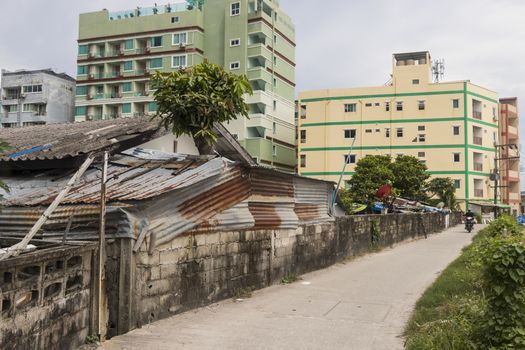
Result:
pixel 361 304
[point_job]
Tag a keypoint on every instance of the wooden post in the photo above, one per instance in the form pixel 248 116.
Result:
pixel 102 298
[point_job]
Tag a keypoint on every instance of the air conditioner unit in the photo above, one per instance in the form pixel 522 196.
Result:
pixel 91 76
pixel 182 44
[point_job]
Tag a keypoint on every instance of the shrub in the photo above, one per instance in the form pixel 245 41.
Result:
pixel 505 224
pixel 503 326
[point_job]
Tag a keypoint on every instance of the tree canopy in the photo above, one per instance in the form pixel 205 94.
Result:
pixel 408 176
pixel 190 101
pixel 445 191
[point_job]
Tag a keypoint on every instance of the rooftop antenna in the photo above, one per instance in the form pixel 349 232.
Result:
pixel 438 70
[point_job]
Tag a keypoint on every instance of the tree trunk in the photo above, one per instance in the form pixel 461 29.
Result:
pixel 203 146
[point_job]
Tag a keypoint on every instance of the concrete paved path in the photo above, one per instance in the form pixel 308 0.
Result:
pixel 362 304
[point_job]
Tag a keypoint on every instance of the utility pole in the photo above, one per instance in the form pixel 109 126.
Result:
pixel 495 176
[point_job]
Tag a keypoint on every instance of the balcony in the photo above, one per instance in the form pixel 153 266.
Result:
pixel 477 115
pixel 512 132
pixel 478 193
pixel 514 176
pixel 515 197
pixel 259 74
pixel 478 166
pixel 478 140
pixel 259 50
pixel 259 120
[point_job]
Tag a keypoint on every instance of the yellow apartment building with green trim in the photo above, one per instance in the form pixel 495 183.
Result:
pixel 450 126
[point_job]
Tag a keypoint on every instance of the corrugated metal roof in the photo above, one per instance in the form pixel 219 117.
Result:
pixel 59 141
pixel 124 184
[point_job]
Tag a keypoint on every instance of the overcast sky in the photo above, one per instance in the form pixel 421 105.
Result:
pixel 340 43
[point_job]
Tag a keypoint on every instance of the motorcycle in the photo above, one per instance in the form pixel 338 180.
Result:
pixel 469 223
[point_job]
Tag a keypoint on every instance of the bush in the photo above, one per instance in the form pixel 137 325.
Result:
pixel 504 225
pixel 503 325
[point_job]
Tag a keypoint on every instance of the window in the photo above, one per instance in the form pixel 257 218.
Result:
pixel 274 127
pixel 274 151
pixel 275 38
pixel 377 104
pixel 126 108
pixel 274 105
pixel 420 128
pixel 421 154
pixel 180 38
pixel 82 70
pixel 28 89
pixel 128 66
pixel 350 133
pixel 399 106
pixel 303 136
pixel 457 184
pixel 126 87
pixel 175 146
pixel 350 158
pixel 11 108
pixel 303 160
pixel 421 105
pixel 387 132
pixel 152 107
pixel 178 61
pixel 303 112
pixel 350 107
pixel 274 60
pixel 415 81
pixel 235 42
pixel 455 130
pixel 81 90
pixel 155 63
pixel 455 103
pixel 378 130
pixel 235 9
pixel 156 41
pixel 422 137
pixel 494 112
pixel 274 82
pixel 368 131
pixel 399 132
pixel 175 19
pixel 368 105
pixel 387 106
pixel 235 65
pixel 83 49
pixel 80 110
pixel 129 44
pixel 456 157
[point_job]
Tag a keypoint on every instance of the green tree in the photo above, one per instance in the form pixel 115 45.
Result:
pixel 443 188
pixel 410 176
pixel 371 172
pixel 190 101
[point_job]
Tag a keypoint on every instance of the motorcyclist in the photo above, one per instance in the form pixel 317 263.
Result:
pixel 469 219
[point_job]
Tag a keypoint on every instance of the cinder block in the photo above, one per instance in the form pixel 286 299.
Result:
pixel 212 238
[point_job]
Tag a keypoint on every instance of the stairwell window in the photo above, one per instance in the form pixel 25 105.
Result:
pixel 350 133
pixel 387 132
pixel 235 65
pixel 457 184
pixel 415 81
pixel 303 136
pixel 350 158
pixel 457 157
pixel 235 9
pixel 422 137
pixel 399 132
pixel 455 130
pixel 235 42
pixel 455 103
pixel 399 106
pixel 303 160
pixel 387 106
pixel 421 105
pixel 350 107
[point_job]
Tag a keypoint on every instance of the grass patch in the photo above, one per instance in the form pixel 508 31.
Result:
pixel 242 293
pixel 290 278
pixel 452 314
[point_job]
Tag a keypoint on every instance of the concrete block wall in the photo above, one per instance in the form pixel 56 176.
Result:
pixel 46 300
pixel 200 268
